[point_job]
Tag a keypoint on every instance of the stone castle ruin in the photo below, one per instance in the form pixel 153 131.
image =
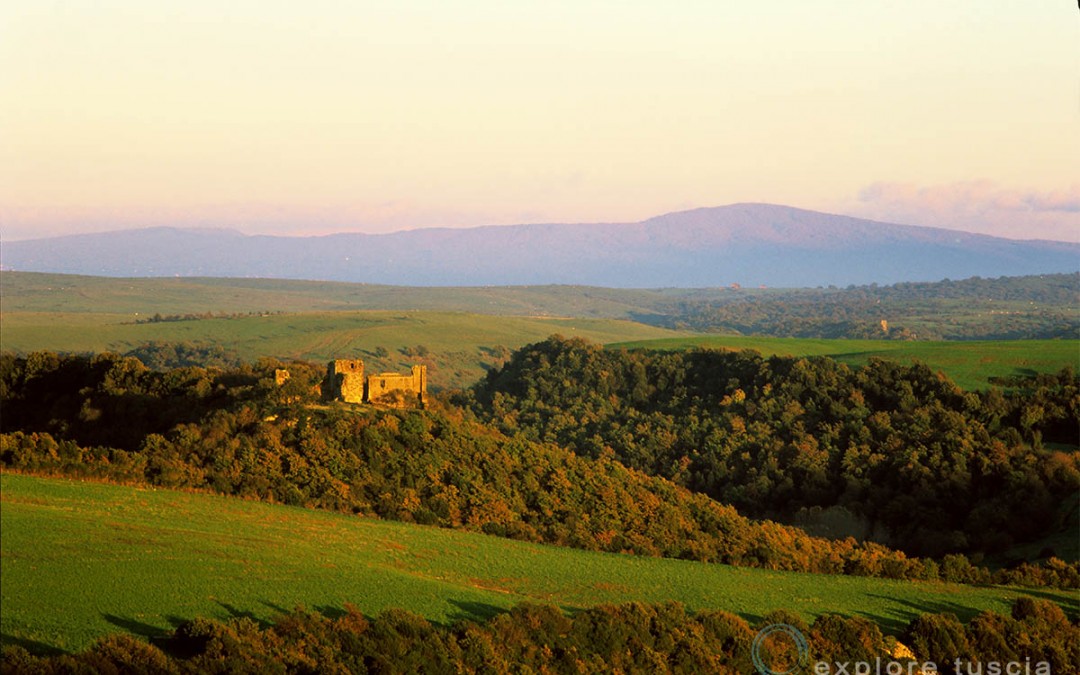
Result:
pixel 345 381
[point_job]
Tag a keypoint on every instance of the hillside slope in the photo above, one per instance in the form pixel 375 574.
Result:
pixel 149 558
pixel 457 348
pixel 937 469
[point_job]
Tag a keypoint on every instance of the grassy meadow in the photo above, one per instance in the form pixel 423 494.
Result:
pixel 463 346
pixel 464 330
pixel 969 364
pixel 79 560
pixel 65 293
pixel 460 346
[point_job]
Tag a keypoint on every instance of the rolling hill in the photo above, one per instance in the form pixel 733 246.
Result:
pixel 468 329
pixel 749 244
pixel 456 347
pixel 44 292
pixel 148 559
pixel 970 364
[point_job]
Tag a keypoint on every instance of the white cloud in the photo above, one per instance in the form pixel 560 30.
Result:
pixel 975 206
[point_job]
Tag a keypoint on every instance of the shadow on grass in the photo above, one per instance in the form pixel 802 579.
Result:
pixel 904 611
pixel 1056 597
pixel 470 610
pixel 752 619
pixel 33 646
pixel 1069 601
pixel 330 612
pixel 136 627
pixel 235 612
pixel 278 609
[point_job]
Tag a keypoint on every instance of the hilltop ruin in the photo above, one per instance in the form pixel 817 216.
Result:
pixel 345 381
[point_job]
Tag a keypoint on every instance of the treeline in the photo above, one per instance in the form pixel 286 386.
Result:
pixel 939 469
pixel 631 638
pixel 235 432
pixel 162 355
pixel 200 316
pixel 1059 290
pixel 1009 308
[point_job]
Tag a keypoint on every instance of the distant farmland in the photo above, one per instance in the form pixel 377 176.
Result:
pixel 969 364
pixel 459 347
pixel 462 332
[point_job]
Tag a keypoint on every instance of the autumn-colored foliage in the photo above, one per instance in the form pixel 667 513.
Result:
pixel 236 432
pixel 938 469
pixel 629 638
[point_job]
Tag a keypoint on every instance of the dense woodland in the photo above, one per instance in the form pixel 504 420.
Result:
pixel 234 431
pixel 161 355
pixel 937 469
pixel 1008 308
pixel 630 638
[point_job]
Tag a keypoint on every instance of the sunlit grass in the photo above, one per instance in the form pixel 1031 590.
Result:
pixel 458 344
pixel 80 560
pixel 969 364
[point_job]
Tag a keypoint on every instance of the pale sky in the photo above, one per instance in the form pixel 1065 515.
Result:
pixel 286 117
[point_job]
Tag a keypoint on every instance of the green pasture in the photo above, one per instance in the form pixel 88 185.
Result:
pixel 969 364
pixel 65 293
pixel 460 346
pixel 79 560
pixel 462 329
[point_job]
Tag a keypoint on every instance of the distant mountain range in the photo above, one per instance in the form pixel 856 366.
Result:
pixel 747 244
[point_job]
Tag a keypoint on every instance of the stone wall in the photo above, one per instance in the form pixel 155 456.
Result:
pixel 345 380
pixel 396 389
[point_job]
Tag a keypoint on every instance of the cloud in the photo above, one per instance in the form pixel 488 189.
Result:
pixel 975 206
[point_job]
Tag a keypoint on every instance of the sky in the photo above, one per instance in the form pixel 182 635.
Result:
pixel 284 117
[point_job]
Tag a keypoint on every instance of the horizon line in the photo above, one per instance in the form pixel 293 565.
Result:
pixel 345 232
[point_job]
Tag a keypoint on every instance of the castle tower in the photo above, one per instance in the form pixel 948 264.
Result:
pixel 345 380
pixel 419 374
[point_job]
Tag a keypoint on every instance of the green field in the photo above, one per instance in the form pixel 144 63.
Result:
pixel 460 344
pixel 463 329
pixel 969 364
pixel 36 292
pixel 80 560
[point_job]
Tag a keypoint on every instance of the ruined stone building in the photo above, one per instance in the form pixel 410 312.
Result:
pixel 392 388
pixel 345 381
